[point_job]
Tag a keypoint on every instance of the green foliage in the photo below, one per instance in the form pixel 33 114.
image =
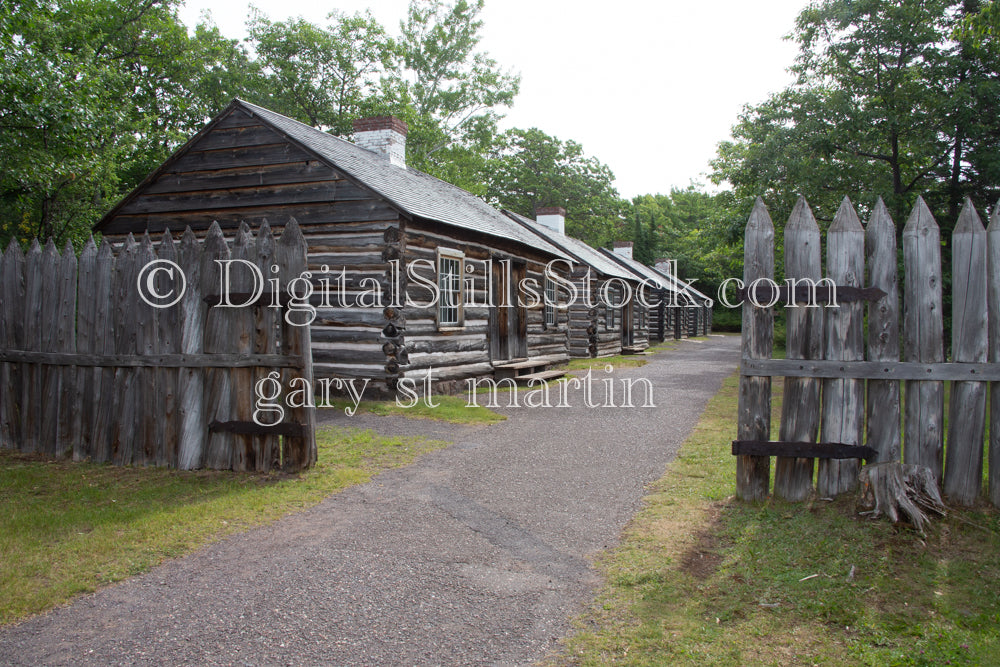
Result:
pixel 530 169
pixel 702 232
pixel 886 103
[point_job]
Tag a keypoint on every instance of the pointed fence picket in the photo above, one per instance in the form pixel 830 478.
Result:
pixel 845 383
pixel 88 369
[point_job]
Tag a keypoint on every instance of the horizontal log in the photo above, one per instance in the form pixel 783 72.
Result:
pixel 803 450
pixel 153 360
pixel 241 177
pixel 238 137
pixel 287 429
pixel 870 370
pixel 261 195
pixel 278 153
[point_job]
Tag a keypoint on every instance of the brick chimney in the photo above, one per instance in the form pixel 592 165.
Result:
pixel 553 217
pixel 623 248
pixel 384 136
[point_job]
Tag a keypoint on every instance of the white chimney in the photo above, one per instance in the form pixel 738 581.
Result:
pixel 383 135
pixel 553 217
pixel 623 248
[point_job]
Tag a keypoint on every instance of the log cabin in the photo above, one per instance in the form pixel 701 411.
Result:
pixel 597 327
pixel 696 301
pixel 375 228
pixel 678 312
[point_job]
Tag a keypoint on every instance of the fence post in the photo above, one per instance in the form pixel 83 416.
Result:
pixel 124 323
pixel 168 334
pixel 242 323
pixel 103 343
pixel 753 472
pixel 922 338
pixel 48 429
pixel 291 256
pixel 68 400
pixel 267 329
pixel 85 315
pixel 12 314
pixel 993 264
pixel 218 338
pixel 191 388
pixel 963 472
pixel 883 333
pixel 804 340
pixel 843 398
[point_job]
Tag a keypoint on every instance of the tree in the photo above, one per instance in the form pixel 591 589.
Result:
pixel 93 94
pixel 324 77
pixel 886 103
pixel 530 169
pixel 453 90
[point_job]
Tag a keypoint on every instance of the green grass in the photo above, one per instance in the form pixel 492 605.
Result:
pixel 69 528
pixel 452 409
pixel 703 579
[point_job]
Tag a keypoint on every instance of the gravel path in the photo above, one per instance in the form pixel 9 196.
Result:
pixel 477 554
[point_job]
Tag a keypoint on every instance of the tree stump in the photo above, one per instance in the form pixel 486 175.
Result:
pixel 892 489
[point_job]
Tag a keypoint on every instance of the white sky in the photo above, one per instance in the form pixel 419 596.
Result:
pixel 649 88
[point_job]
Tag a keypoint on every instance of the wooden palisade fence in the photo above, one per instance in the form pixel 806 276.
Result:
pixel 88 369
pixel 842 402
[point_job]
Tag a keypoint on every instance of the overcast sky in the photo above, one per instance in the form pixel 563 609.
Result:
pixel 649 88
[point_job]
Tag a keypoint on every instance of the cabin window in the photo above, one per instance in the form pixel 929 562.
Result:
pixel 642 317
pixel 550 303
pixel 450 296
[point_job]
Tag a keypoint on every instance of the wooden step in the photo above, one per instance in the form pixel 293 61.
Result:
pixel 541 375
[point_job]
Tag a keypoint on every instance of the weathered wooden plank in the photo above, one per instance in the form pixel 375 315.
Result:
pixel 145 453
pixel 238 118
pixel 103 342
pixel 871 370
pixel 222 360
pixel 12 316
pixel 319 213
pixel 242 177
pixel 883 408
pixel 819 450
pixel 48 328
pixel 843 399
pixel 239 137
pixel 267 332
pixel 83 419
pixel 263 195
pixel 923 424
pixel 65 341
pixel 31 389
pixel 290 256
pixel 963 472
pixel 279 153
pixel 126 417
pixel 754 418
pixel 191 386
pixel 993 301
pixel 217 339
pixel 243 331
pixel 168 325
pixel 800 408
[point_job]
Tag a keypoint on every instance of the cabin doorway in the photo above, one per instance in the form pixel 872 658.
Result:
pixel 508 317
pixel 628 331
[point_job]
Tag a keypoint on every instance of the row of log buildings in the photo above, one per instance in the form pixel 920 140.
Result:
pixel 426 274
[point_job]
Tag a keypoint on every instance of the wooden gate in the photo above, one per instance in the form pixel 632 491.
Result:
pixel 842 401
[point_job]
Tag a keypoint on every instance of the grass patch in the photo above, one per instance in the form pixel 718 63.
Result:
pixel 447 408
pixel 703 579
pixel 69 528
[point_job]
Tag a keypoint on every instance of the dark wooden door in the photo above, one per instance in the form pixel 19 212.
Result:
pixel 508 318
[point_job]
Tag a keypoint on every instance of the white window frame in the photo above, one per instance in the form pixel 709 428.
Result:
pixel 450 316
pixel 551 301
